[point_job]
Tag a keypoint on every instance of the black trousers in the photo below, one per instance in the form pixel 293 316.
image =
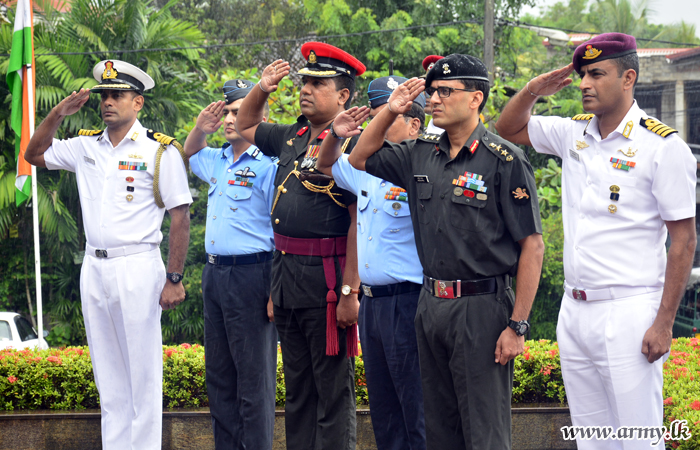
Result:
pixel 320 408
pixel 390 354
pixel 240 347
pixel 467 396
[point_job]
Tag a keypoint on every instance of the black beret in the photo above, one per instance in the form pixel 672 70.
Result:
pixel 458 67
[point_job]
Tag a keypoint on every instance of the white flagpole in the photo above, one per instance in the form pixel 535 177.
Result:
pixel 35 213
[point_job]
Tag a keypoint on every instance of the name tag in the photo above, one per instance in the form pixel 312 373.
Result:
pixel 574 155
pixel 421 178
pixel 89 160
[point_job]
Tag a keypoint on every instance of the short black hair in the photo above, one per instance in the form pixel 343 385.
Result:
pixel 343 82
pixel 627 62
pixel 478 85
pixel 416 112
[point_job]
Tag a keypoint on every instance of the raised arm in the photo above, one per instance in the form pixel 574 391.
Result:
pixel 208 122
pixel 345 125
pixel 45 132
pixel 250 114
pixel 512 125
pixel 372 138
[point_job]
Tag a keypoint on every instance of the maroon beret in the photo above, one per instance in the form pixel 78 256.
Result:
pixel 430 61
pixel 602 47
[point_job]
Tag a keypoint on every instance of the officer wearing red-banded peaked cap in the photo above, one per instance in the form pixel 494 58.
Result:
pixel 325 61
pixel 430 61
pixel 602 47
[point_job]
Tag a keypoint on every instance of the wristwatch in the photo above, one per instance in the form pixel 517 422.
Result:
pixel 174 277
pixel 521 328
pixel 347 290
pixel 335 136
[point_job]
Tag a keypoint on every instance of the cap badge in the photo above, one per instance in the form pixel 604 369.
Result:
pixel 241 84
pixel 591 52
pixel 432 64
pixel 312 57
pixel 392 84
pixel 446 68
pixel 110 72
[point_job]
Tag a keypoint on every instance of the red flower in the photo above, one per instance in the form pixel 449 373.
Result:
pixel 54 359
pixel 46 375
pixel 695 405
pixel 79 351
pixel 526 356
pixel 11 379
pixel 668 401
pixel 185 345
pixel 169 352
pixel 553 353
pixel 678 361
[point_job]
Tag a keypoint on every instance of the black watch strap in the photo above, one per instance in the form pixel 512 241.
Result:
pixel 335 135
pixel 174 277
pixel 521 328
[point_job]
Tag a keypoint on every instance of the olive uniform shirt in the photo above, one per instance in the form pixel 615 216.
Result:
pixel 468 213
pixel 299 281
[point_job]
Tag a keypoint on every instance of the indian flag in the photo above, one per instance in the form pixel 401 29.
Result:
pixel 20 79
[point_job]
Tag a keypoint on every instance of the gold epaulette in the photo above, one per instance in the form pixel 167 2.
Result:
pixel 657 127
pixel 90 132
pixel 164 141
pixel 583 117
pixel 430 137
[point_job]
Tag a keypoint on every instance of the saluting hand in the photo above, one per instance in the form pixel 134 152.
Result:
pixel 72 104
pixel 209 120
pixel 273 74
pixel 551 82
pixel 401 99
pixel 347 123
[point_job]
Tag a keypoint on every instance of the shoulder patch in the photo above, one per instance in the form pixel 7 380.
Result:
pixel 583 117
pixel 90 132
pixel 657 127
pixel 430 137
pixel 160 137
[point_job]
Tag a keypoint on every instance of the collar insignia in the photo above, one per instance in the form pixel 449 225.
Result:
pixel 628 129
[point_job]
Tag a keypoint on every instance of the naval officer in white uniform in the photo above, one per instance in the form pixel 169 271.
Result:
pixel 127 177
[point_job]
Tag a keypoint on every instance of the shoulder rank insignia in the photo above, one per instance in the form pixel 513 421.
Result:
pixel 90 132
pixel 160 137
pixel 657 127
pixel 430 137
pixel 501 152
pixel 583 117
pixel 302 130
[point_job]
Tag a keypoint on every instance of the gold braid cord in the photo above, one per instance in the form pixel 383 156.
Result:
pixel 164 142
pixel 310 186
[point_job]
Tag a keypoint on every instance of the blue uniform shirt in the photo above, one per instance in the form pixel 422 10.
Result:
pixel 240 199
pixel 386 247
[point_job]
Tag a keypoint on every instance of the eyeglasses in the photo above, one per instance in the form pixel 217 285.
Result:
pixel 444 91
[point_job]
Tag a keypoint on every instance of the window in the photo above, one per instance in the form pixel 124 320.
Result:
pixel 24 328
pixel 5 332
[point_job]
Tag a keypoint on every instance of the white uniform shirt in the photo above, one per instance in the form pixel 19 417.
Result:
pixel 109 218
pixel 624 247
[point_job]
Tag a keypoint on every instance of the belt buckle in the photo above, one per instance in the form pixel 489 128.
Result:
pixel 100 253
pixel 444 289
pixel 579 294
pixel 212 258
pixel 367 290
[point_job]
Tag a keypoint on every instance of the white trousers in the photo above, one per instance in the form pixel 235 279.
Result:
pixel 608 380
pixel 122 319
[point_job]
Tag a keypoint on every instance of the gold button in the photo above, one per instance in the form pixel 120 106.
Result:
pixel 612 209
pixel 284 253
pixel 277 221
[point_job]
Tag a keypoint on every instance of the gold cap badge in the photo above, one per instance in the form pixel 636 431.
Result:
pixel 591 52
pixel 110 72
pixel 312 57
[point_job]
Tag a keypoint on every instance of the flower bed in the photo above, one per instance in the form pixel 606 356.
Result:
pixel 61 379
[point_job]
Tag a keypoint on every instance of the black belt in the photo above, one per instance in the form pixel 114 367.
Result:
pixel 459 288
pixel 236 260
pixel 389 289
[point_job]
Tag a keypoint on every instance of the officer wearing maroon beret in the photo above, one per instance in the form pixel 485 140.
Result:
pixel 473 203
pixel 628 182
pixel 428 63
pixel 314 270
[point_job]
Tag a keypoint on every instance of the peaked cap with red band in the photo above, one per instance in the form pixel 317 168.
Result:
pixel 325 61
pixel 602 47
pixel 430 61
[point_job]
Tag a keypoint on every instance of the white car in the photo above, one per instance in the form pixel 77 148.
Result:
pixel 17 332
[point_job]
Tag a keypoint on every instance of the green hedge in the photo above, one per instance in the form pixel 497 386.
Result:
pixel 61 379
